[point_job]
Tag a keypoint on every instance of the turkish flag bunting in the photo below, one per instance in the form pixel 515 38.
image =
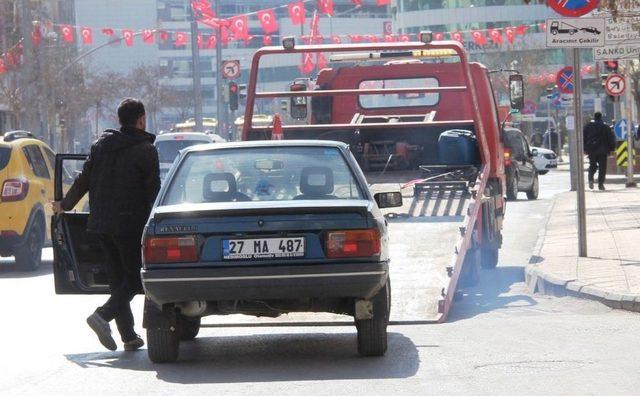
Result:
pixel 3 68
pixel 314 28
pixel 510 33
pixel 87 35
pixel 224 35
pixel 532 80
pixel 372 38
pixel 389 38
pixel 211 42
pixel 11 59
pixel 522 29
pixel 268 21
pixel 36 36
pixel 551 78
pixel 336 39
pixel 357 3
pixel 108 32
pixel 405 37
pixel 200 41
pixel 321 60
pixel 495 35
pixel 383 2
pixel 457 36
pixel 164 35
pixel 355 38
pixel 202 8
pixel 297 13
pixel 478 37
pixel 307 65
pixel 180 39
pixel 325 6
pixel 147 36
pixel 543 26
pixel 266 40
pixel 67 33
pixel 239 26
pixel 438 36
pixel 127 34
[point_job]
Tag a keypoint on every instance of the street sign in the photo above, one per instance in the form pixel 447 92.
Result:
pixel 621 30
pixel 575 32
pixel 564 79
pixel 573 8
pixel 570 122
pixel 622 154
pixel 387 27
pixel 620 129
pixel 615 84
pixel 231 69
pixel 617 51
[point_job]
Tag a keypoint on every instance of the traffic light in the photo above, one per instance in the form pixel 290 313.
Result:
pixel 611 65
pixel 233 96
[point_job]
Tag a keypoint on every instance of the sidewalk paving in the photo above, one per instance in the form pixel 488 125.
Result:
pixel 611 272
pixel 611 179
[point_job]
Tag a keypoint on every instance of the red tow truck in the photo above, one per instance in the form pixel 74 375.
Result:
pixel 418 115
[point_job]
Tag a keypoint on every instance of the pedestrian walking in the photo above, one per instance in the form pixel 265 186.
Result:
pixel 599 141
pixel 550 140
pixel 537 139
pixel 121 175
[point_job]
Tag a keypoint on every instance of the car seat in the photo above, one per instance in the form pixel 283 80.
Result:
pixel 316 182
pixel 219 193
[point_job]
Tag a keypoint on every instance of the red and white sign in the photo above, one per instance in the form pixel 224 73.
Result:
pixel 231 69
pixel 573 8
pixel 615 84
pixel 387 27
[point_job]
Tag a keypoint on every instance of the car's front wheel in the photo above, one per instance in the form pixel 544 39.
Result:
pixel 29 253
pixel 372 333
pixel 543 172
pixel 512 188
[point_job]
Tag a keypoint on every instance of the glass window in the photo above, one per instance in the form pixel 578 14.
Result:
pixel 51 157
pixel 401 99
pixel 5 156
pixel 36 161
pixel 168 149
pixel 263 174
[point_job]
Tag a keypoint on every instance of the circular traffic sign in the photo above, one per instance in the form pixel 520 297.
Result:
pixel 615 84
pixel 564 79
pixel 231 69
pixel 573 8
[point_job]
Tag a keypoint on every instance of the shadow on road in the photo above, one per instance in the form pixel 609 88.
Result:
pixel 8 269
pixel 492 293
pixel 267 358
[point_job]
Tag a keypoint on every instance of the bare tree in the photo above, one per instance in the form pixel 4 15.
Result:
pixel 146 83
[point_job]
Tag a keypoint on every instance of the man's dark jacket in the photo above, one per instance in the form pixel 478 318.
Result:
pixel 122 177
pixel 599 139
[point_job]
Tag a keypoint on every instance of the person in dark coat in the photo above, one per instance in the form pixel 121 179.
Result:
pixel 122 177
pixel 599 141
pixel 550 140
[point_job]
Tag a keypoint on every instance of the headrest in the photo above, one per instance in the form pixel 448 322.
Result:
pixel 219 187
pixel 316 180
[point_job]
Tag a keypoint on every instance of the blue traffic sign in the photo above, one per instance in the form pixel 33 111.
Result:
pixel 564 80
pixel 620 129
pixel 573 8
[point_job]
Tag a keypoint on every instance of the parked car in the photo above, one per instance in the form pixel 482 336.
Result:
pixel 26 176
pixel 544 159
pixel 170 144
pixel 258 228
pixel 522 174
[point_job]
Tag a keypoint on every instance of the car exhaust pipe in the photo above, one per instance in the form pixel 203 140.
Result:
pixel 192 308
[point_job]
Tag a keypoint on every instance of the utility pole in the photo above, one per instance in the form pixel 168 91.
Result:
pixel 195 60
pixel 577 107
pixel 630 121
pixel 219 102
pixel 27 68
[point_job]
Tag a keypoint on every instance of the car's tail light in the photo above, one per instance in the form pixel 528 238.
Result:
pixel 14 190
pixel 507 157
pixel 182 249
pixel 353 243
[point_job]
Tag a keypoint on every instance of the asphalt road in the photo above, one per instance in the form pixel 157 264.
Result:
pixel 499 339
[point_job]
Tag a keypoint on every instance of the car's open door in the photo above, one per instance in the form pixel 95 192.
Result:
pixel 78 264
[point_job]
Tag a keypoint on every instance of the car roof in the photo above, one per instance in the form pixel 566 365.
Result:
pixel 268 143
pixel 183 136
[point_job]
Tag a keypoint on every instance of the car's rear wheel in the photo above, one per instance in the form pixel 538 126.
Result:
pixel 29 254
pixel 512 188
pixel 535 188
pixel 372 333
pixel 163 345
pixel 543 172
pixel 188 327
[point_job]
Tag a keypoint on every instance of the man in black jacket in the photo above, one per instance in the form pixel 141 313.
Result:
pixel 122 177
pixel 599 141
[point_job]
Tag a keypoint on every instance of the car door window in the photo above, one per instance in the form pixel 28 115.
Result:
pixel 51 157
pixel 36 161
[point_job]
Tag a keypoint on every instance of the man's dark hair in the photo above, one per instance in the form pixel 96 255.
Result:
pixel 597 116
pixel 129 110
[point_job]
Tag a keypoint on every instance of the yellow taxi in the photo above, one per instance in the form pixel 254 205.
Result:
pixel 26 182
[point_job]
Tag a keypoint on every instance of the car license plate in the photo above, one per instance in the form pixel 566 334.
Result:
pixel 263 248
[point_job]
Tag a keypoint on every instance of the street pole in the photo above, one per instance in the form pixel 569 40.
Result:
pixel 219 103
pixel 577 107
pixel 629 109
pixel 27 68
pixel 195 60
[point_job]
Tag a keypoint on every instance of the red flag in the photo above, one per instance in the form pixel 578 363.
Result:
pixel 495 35
pixel 266 40
pixel 543 26
pixel 551 78
pixel 405 37
pixel 108 32
pixel 180 39
pixel 314 28
pixel 211 42
pixel 268 21
pixel 532 80
pixel 202 8
pixel 510 33
pixel 389 38
pixel 200 41
pixel 3 68
pixel 147 36
pixel 371 37
pixel 297 13
pixel 224 35
pixel 439 36
pixel 521 30
pixel 87 35
pixel 357 3
pixel 127 34
pixel 36 36
pixel 383 2
pixel 307 65
pixel 325 6
pixel 355 38
pixel 164 35
pixel 478 37
pixel 457 36
pixel 67 33
pixel 239 25
pixel 321 60
pixel 336 39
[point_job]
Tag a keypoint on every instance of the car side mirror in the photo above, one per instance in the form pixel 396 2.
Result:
pixel 516 91
pixel 534 152
pixel 388 199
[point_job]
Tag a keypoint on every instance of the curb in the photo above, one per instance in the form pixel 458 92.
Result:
pixel 548 284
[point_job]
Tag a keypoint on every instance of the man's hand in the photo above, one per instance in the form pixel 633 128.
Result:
pixel 56 206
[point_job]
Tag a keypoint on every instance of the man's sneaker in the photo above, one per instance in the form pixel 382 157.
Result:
pixel 591 184
pixel 102 330
pixel 134 344
pixel 601 187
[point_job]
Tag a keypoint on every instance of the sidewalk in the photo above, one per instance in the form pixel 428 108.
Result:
pixel 611 272
pixel 611 179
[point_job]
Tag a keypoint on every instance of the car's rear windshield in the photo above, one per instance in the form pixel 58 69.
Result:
pixel 168 149
pixel 5 155
pixel 263 174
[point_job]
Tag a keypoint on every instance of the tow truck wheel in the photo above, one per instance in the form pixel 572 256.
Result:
pixel 488 257
pixel 188 327
pixel 535 188
pixel 470 275
pixel 512 188
pixel 372 333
